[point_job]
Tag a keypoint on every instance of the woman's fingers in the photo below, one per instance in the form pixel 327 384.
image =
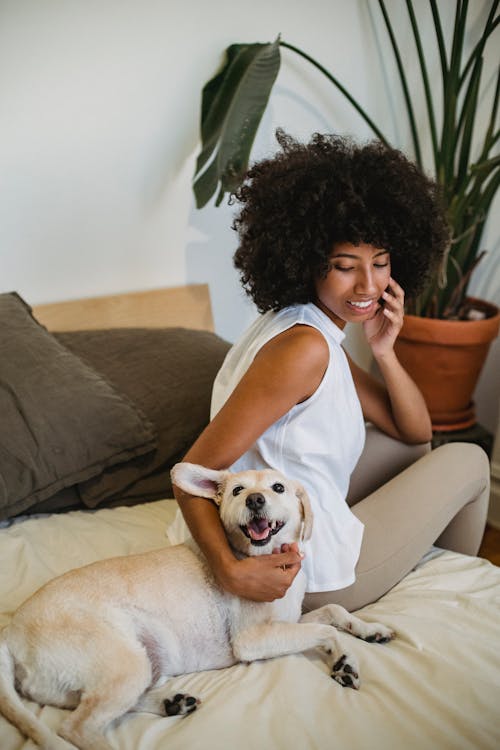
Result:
pixel 394 299
pixel 397 290
pixel 267 577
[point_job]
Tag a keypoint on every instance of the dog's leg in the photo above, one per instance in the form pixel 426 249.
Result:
pixel 118 687
pixel 267 640
pixel 340 618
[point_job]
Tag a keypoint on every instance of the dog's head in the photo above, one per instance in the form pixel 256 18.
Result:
pixel 260 510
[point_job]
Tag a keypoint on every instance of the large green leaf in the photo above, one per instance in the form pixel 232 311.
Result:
pixel 211 103
pixel 233 103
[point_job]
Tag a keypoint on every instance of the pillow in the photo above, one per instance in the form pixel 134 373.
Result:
pixel 61 422
pixel 168 373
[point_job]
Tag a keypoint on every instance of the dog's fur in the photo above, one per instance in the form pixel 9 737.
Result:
pixel 98 638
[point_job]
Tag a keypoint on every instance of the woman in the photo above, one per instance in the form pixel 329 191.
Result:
pixel 332 233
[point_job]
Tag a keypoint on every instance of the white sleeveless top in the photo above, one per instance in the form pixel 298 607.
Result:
pixel 318 442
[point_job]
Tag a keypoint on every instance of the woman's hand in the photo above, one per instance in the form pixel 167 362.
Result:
pixel 396 404
pixel 263 578
pixel 382 330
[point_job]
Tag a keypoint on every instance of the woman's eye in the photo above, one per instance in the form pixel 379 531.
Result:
pixel 381 265
pixel 277 487
pixel 237 490
pixel 343 268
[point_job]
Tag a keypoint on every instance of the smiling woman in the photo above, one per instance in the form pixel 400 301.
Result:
pixel 330 233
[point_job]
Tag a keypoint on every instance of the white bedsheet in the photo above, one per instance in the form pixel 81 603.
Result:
pixel 436 686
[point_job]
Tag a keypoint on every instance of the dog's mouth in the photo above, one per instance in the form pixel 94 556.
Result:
pixel 260 530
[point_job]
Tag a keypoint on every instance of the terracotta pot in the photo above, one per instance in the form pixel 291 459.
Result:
pixel 445 358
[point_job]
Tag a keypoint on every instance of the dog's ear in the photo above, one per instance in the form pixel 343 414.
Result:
pixel 307 514
pixel 197 480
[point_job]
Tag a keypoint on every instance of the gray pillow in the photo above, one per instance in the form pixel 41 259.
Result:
pixel 61 423
pixel 168 373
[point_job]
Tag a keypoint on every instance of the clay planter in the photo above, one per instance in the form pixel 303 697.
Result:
pixel 445 358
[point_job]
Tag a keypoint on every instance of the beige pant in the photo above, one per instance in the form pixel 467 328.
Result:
pixel 440 498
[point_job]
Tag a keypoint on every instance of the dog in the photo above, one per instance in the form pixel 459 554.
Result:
pixel 100 638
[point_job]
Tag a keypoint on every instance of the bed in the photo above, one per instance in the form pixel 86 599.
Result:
pixel 143 364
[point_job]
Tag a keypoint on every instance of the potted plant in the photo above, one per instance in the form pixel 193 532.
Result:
pixel 233 103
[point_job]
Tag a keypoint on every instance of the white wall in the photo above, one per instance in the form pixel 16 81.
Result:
pixel 99 108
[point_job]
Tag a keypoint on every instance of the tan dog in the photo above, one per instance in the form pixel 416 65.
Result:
pixel 98 638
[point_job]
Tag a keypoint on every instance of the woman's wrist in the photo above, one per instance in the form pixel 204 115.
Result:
pixel 224 568
pixel 385 357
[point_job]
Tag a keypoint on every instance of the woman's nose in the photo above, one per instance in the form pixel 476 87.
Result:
pixel 365 282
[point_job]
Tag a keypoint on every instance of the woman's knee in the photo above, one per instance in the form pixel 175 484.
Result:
pixel 471 467
pixel 468 460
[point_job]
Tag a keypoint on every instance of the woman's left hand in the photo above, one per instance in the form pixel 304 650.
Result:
pixel 383 328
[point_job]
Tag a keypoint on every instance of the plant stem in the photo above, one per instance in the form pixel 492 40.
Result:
pixel 404 84
pixel 341 88
pixel 425 80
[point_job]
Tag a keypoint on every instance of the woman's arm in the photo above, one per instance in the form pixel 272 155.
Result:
pixel 287 370
pixel 396 406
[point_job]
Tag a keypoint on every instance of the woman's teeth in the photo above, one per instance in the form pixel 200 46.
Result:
pixel 361 304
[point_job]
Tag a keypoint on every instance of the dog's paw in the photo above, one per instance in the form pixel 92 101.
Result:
pixel 377 633
pixel 180 705
pixel 345 672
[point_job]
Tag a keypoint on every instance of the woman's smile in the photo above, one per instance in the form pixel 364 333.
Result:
pixel 362 306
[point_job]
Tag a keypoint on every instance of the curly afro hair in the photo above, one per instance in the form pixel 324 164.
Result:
pixel 299 203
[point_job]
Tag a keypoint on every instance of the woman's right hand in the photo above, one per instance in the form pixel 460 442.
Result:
pixel 263 578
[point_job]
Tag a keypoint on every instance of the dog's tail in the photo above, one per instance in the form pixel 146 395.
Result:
pixel 14 710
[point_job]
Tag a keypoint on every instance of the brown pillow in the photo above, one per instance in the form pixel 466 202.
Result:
pixel 168 373
pixel 61 423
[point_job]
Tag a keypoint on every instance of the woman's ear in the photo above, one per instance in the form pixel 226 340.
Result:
pixel 198 480
pixel 307 514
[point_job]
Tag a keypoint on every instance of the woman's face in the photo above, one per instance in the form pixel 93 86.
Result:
pixel 352 287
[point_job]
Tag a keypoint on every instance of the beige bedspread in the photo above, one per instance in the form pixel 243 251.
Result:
pixel 436 686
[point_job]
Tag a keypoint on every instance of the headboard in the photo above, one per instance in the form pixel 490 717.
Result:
pixel 187 306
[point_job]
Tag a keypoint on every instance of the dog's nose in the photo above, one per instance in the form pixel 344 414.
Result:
pixel 255 501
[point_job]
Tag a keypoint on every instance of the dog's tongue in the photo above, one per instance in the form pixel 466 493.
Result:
pixel 258 528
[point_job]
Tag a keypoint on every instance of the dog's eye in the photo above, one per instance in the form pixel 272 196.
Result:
pixel 277 487
pixel 237 490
